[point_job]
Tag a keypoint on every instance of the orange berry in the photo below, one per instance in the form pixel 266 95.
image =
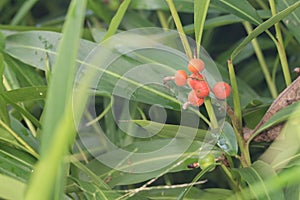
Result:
pixel 180 78
pixel 194 100
pixel 221 90
pixel 194 79
pixel 201 89
pixel 195 65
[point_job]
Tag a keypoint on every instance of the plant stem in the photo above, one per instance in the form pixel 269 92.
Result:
pixel 180 30
pixel 237 116
pixel 162 19
pixel 280 47
pixel 262 62
pixel 211 113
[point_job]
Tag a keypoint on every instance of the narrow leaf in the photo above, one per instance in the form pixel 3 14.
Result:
pixel 200 12
pixel 257 174
pixel 263 27
pixel 116 20
pixel 240 8
pixel 55 144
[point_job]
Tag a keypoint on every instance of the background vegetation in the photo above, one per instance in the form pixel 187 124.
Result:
pixel 41 156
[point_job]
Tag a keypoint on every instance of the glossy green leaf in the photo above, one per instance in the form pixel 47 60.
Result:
pixel 264 26
pixel 11 188
pixel 240 8
pixel 257 173
pixel 171 131
pixel 284 152
pixel 27 94
pixel 292 21
pixel 227 140
pixel 154 164
pixel 281 116
pixel 36 48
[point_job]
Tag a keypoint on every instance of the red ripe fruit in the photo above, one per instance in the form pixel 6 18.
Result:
pixel 221 90
pixel 180 78
pixel 194 79
pixel 195 65
pixel 194 100
pixel 201 89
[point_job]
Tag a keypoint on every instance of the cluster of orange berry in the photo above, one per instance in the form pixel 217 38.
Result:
pixel 198 84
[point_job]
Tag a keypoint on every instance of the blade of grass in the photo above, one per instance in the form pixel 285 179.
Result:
pixel 116 20
pixel 58 125
pixel 263 27
pixel 180 30
pixel 200 12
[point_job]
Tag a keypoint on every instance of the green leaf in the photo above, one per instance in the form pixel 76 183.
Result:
pixel 291 21
pixel 56 145
pixel 257 173
pixel 170 131
pixel 172 158
pixel 240 8
pixel 11 188
pixel 36 48
pixel 200 12
pixel 281 116
pixel 227 140
pixel 116 20
pixel 3 111
pixel 263 27
pixel 27 94
pixel 16 163
pixel 284 151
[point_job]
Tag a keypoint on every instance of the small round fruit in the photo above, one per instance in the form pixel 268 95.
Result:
pixel 221 90
pixel 201 89
pixel 194 79
pixel 180 78
pixel 195 65
pixel 194 100
pixel 207 161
